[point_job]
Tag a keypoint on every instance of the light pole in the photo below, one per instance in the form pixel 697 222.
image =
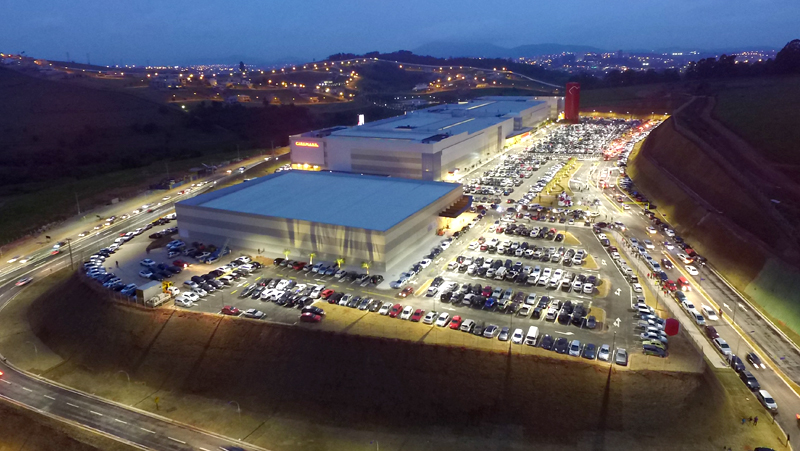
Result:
pixel 69 246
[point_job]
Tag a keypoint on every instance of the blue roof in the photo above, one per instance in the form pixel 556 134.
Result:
pixel 350 200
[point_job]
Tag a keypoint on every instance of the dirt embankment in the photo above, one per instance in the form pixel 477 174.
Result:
pixel 23 430
pixel 723 219
pixel 304 389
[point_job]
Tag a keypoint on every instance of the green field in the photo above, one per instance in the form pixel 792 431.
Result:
pixel 642 99
pixel 764 112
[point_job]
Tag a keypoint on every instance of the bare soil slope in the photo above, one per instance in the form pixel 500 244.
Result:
pixel 304 389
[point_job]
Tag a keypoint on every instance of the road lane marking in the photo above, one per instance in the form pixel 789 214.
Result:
pixel 176 440
pixel 120 421
pixel 73 405
pixel 96 413
pixel 49 397
pixel 26 389
pixel 147 430
pixel 202 449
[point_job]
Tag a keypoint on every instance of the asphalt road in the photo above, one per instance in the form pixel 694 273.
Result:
pixel 779 352
pixel 121 422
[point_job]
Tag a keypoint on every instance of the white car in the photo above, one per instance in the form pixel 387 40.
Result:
pixel 604 353
pixel 282 284
pixel 711 314
pixel 189 295
pixel 723 347
pixel 652 230
pixel 14 259
pixel 183 302
pixel 407 312
pixel 637 288
pixel 684 258
pixel 687 304
pixel 767 401
pixel 692 270
pixel 517 337
pixel 147 263
pixel 649 244
pixel 473 245
pixel 317 292
pixel 425 262
pixel 669 245
pixel 445 244
pixel 384 310
pixel 698 318
pixel 146 273
pixel 626 207
pixel 575 348
pixel 443 319
pixel 200 292
pixel 429 318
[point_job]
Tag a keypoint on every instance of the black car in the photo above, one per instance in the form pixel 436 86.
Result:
pixel 216 283
pixel 561 346
pixel 437 281
pixel 750 380
pixel 547 342
pixel 197 279
pixel 589 351
pixel 313 309
pixel 736 363
pixel 478 330
pixel 353 303
pixel 755 361
pixel 375 305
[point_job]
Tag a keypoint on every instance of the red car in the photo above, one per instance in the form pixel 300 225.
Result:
pixel 310 317
pixel 55 252
pixel 326 293
pixel 396 309
pixel 455 323
pixel 417 315
pixel 406 291
pixel 487 291
pixel 298 265
pixel 230 310
pixel 181 264
pixel 670 285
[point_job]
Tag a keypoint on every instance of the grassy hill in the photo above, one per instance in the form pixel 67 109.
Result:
pixel 301 388
pixel 764 112
pixel 56 129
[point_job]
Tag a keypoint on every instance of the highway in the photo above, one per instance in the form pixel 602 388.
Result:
pixel 124 423
pixel 775 350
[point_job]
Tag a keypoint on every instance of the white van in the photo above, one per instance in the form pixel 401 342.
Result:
pixel 533 334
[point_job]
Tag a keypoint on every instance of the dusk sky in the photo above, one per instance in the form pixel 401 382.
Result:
pixel 181 31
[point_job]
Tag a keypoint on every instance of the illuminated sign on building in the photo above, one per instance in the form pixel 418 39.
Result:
pixel 305 144
pixel 360 119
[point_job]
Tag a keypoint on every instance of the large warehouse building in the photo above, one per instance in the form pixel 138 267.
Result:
pixel 430 144
pixel 356 217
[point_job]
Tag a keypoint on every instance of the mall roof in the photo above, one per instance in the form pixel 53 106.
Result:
pixel 440 121
pixel 350 200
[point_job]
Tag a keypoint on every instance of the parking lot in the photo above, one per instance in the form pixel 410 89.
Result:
pixel 518 264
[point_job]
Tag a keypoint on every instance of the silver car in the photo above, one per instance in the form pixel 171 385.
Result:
pixel 604 353
pixel 621 357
